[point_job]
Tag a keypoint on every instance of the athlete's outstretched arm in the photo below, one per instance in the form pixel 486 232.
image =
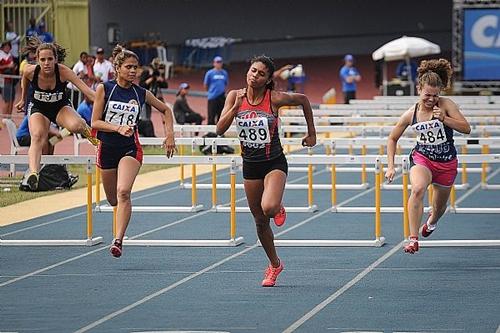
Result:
pixel 392 141
pixel 231 107
pixel 294 99
pixel 68 75
pixel 25 81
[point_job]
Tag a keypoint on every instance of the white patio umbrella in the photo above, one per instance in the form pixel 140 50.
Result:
pixel 404 48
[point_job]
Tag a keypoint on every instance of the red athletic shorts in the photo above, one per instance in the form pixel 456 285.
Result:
pixel 443 173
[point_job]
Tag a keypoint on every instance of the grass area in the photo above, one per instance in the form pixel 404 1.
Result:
pixel 10 193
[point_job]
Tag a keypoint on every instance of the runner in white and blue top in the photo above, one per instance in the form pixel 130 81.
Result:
pixel 115 114
pixel 434 158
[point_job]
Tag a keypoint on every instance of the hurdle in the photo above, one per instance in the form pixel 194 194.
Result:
pixel 233 239
pixel 490 158
pixel 91 240
pixel 195 207
pixel 310 208
pixel 333 160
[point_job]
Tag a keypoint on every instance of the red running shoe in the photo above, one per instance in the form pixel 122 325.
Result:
pixel 271 274
pixel 280 218
pixel 426 232
pixel 412 245
pixel 116 248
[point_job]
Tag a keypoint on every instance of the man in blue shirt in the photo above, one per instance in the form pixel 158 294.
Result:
pixel 215 81
pixel 85 109
pixel 349 75
pixel 43 34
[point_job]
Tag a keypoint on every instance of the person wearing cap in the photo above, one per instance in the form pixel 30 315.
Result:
pixel 7 66
pixel 349 76
pixel 215 82
pixel 103 68
pixel 182 112
pixel 43 34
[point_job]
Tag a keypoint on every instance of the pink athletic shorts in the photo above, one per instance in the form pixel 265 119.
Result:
pixel 443 173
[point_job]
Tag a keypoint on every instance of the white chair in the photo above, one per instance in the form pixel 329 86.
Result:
pixel 78 139
pixel 162 54
pixel 15 148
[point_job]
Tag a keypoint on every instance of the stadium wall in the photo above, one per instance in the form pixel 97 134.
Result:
pixel 282 28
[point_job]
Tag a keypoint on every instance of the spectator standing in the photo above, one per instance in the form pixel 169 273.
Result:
pixel 85 109
pixel 43 34
pixel 14 39
pixel 349 76
pixel 407 72
pixel 7 66
pixel 215 82
pixel 81 71
pixel 103 68
pixel 32 30
pixel 182 111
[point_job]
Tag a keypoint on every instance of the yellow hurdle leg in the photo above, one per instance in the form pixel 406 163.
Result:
pixel 97 185
pixel 378 177
pixel 114 222
pixel 406 221
pixel 89 201
pixel 233 201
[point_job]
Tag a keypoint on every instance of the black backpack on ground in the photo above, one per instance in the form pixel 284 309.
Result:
pixel 207 150
pixel 51 177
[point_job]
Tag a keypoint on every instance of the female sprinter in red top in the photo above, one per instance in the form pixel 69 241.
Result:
pixel 255 111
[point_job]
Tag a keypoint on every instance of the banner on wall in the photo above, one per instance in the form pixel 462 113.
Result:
pixel 481 39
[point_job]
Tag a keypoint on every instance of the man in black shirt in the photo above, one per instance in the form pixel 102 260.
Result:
pixel 182 112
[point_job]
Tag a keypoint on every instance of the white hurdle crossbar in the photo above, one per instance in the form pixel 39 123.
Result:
pixel 91 240
pixel 195 206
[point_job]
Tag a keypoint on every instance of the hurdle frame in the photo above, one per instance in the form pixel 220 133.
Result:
pixel 91 239
pixel 231 242
pixel 452 208
pixel 194 208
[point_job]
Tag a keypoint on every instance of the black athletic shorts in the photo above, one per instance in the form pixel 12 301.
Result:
pixel 259 170
pixel 51 114
pixel 108 157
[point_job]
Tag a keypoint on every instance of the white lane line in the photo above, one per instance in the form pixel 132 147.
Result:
pixel 41 270
pixel 194 275
pixel 498 329
pixel 356 279
pixel 78 214
pixel 342 290
pixel 178 332
pixel 162 291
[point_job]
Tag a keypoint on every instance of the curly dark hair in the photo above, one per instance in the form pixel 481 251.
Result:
pixel 269 63
pixel 435 73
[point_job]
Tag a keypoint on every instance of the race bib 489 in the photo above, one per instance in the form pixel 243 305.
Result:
pixel 253 130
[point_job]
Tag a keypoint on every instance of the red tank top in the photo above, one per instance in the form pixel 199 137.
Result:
pixel 257 128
